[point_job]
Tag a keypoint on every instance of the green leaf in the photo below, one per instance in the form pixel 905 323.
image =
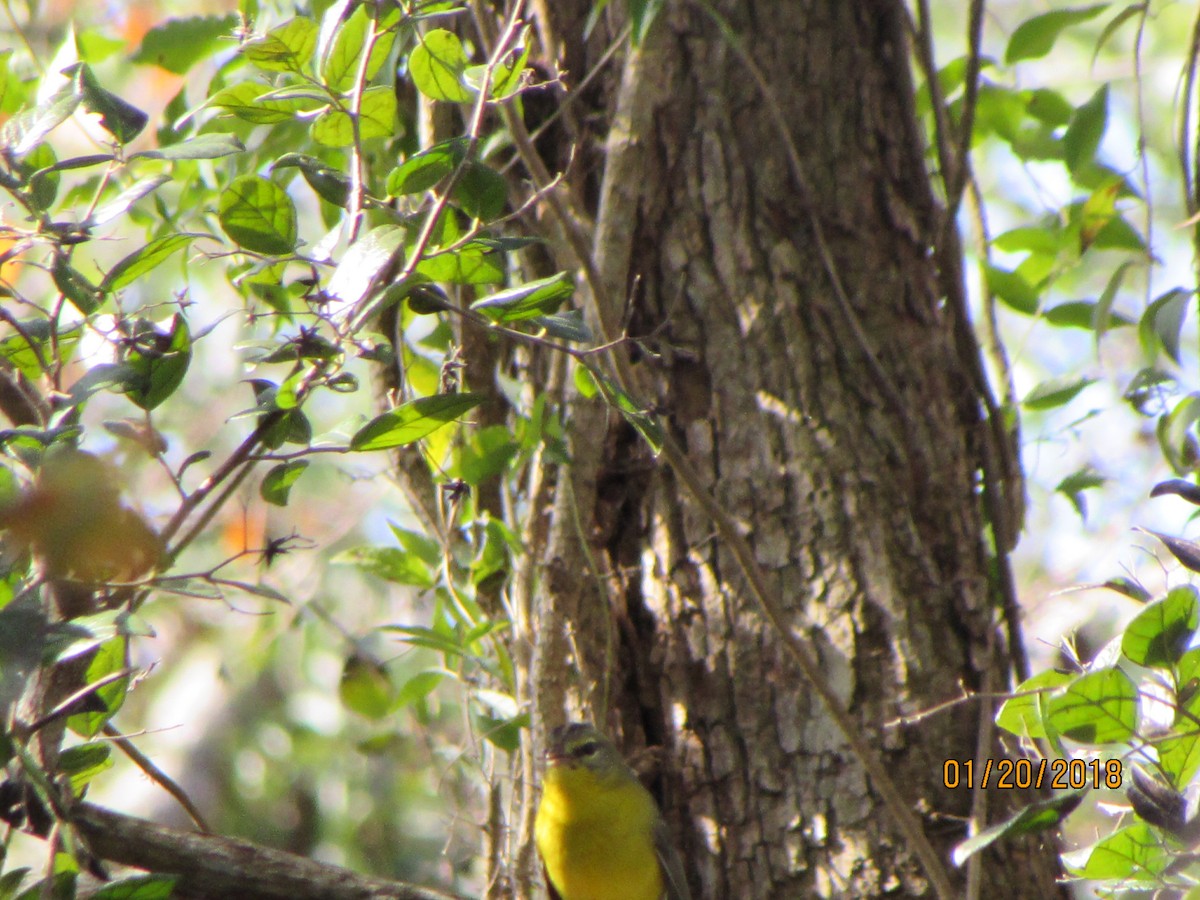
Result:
pixel 1175 435
pixel 476 262
pixel 1012 289
pixel 157 362
pixel 1050 107
pixel 213 145
pixel 122 120
pixel 377 118
pixel 277 483
pixel 1046 239
pixel 1133 852
pixel 413 421
pixel 25 131
pixel 423 170
pixel 110 658
pixel 422 545
pixel 286 48
pixel 83 762
pixel 138 887
pixel 254 103
pixel 419 636
pixel 481 192
pixel 1073 486
pixel 567 326
pixel 341 64
pixel 526 301
pixel 1082 139
pixel 28 356
pixel 258 215
pixel 391 564
pixel 509 76
pixel 437 65
pixel 1163 319
pixel 1160 633
pixel 1085 314
pixel 642 14
pixel 365 688
pixel 84 295
pixel 148 258
pixel 1035 817
pixel 1103 316
pixel 1023 714
pixel 584 382
pixel 1179 750
pixel 1187 552
pixel 1056 392
pixel 1035 37
pixel 1097 708
pixel 417 688
pixel 1131 11
pixel 485 453
pixel 120 204
pixel 646 424
pixel 331 184
pixel 178 44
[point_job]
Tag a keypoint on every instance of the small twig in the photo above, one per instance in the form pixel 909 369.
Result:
pixel 356 318
pixel 354 209
pixel 157 775
pixel 67 706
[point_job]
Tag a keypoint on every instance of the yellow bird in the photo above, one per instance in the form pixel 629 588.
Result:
pixel 598 830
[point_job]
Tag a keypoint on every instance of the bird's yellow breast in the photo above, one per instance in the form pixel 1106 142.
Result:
pixel 596 836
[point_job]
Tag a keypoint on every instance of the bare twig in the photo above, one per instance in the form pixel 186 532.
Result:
pixel 157 775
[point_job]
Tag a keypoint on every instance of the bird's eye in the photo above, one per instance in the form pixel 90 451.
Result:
pixel 588 748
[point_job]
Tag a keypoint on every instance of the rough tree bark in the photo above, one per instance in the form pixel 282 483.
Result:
pixel 842 427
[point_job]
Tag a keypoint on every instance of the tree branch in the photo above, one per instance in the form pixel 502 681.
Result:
pixel 214 866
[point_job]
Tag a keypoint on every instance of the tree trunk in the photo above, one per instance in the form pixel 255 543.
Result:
pixel 775 244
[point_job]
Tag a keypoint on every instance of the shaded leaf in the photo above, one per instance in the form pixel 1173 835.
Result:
pixel 1187 552
pixel 1033 818
pixel 157 362
pixel 1082 139
pixel 122 120
pixel 1160 633
pixel 1180 488
pixel 258 215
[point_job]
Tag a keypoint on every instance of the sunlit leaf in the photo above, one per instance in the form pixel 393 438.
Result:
pixel 148 258
pixel 413 421
pixel 1097 708
pixel 437 65
pixel 277 483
